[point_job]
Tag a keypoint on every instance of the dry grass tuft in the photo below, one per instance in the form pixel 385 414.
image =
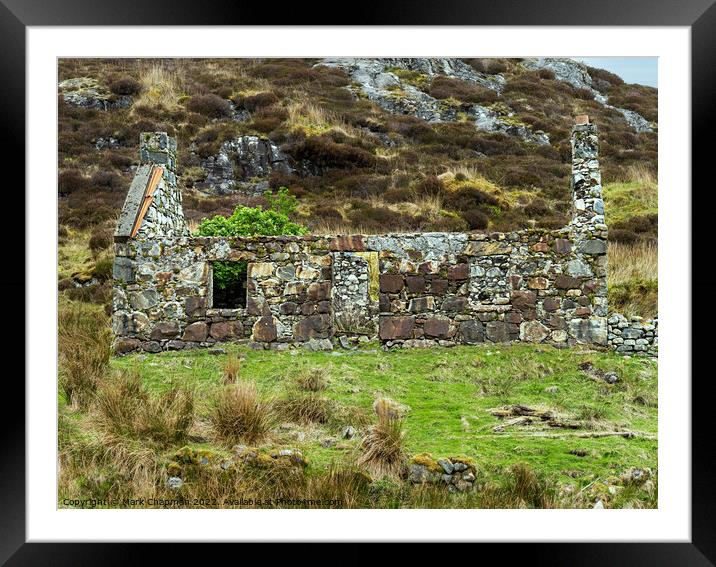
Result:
pixel 633 279
pixel 644 175
pixel 239 414
pixel 232 370
pixel 84 341
pixel 305 408
pixel 161 88
pixel 126 408
pixel 523 488
pixel 313 380
pixel 316 120
pixel 383 453
pixel 628 262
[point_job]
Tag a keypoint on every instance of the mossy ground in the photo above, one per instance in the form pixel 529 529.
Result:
pixel 625 200
pixel 448 393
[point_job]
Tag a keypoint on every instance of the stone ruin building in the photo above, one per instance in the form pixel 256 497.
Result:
pixel 410 290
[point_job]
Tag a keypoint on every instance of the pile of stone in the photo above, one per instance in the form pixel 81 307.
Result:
pixel 457 473
pixel 633 336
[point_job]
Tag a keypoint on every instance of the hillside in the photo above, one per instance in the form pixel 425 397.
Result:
pixel 366 144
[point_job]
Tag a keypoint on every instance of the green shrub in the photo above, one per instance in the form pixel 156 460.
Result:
pixel 475 219
pixel 468 197
pixel 250 221
pixel 125 86
pixel 445 87
pixel 209 105
pixel 325 153
pixel 70 181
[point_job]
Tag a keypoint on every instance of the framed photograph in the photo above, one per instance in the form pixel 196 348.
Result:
pixel 390 280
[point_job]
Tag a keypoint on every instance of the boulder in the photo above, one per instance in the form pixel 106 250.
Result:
pixel 415 284
pixel 533 332
pixel 264 330
pixel 482 248
pixel 165 330
pixel 563 281
pixel 319 291
pixel 472 331
pixel 590 331
pixel 313 327
pixel 391 328
pixel 196 332
pixel 225 330
pixel 459 272
pixel 124 345
pixel 437 327
pixel 455 304
pixel 391 283
pixel 195 307
pixel 421 304
pixel 497 332
pixel 523 299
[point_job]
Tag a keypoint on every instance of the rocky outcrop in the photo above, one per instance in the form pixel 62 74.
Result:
pixel 243 164
pixel 86 92
pixel 376 79
pixel 577 75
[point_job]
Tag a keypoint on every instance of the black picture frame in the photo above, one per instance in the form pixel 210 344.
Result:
pixel 698 15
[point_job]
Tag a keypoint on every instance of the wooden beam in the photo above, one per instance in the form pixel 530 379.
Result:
pixel 153 182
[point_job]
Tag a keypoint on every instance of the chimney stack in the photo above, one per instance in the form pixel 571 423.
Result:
pixel 586 183
pixel 158 148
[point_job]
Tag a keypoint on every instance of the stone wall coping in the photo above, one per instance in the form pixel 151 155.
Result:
pixel 470 236
pixel 133 202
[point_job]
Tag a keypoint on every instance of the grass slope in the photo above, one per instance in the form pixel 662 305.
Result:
pixel 449 393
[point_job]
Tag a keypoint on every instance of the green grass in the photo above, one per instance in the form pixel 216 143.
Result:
pixel 449 393
pixel 623 201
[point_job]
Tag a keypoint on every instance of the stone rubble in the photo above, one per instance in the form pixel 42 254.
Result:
pixel 458 474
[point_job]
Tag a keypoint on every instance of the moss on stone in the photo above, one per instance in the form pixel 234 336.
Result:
pixel 428 461
pixel 465 460
pixel 414 78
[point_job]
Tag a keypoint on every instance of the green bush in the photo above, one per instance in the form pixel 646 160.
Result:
pixel 250 221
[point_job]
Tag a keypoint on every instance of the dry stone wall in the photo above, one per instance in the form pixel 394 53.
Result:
pixel 440 288
pixel 406 290
pixel 634 336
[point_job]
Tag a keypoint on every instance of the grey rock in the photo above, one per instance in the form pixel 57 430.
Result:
pixel 446 465
pixel 174 483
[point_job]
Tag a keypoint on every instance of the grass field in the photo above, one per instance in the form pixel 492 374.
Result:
pixel 446 394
